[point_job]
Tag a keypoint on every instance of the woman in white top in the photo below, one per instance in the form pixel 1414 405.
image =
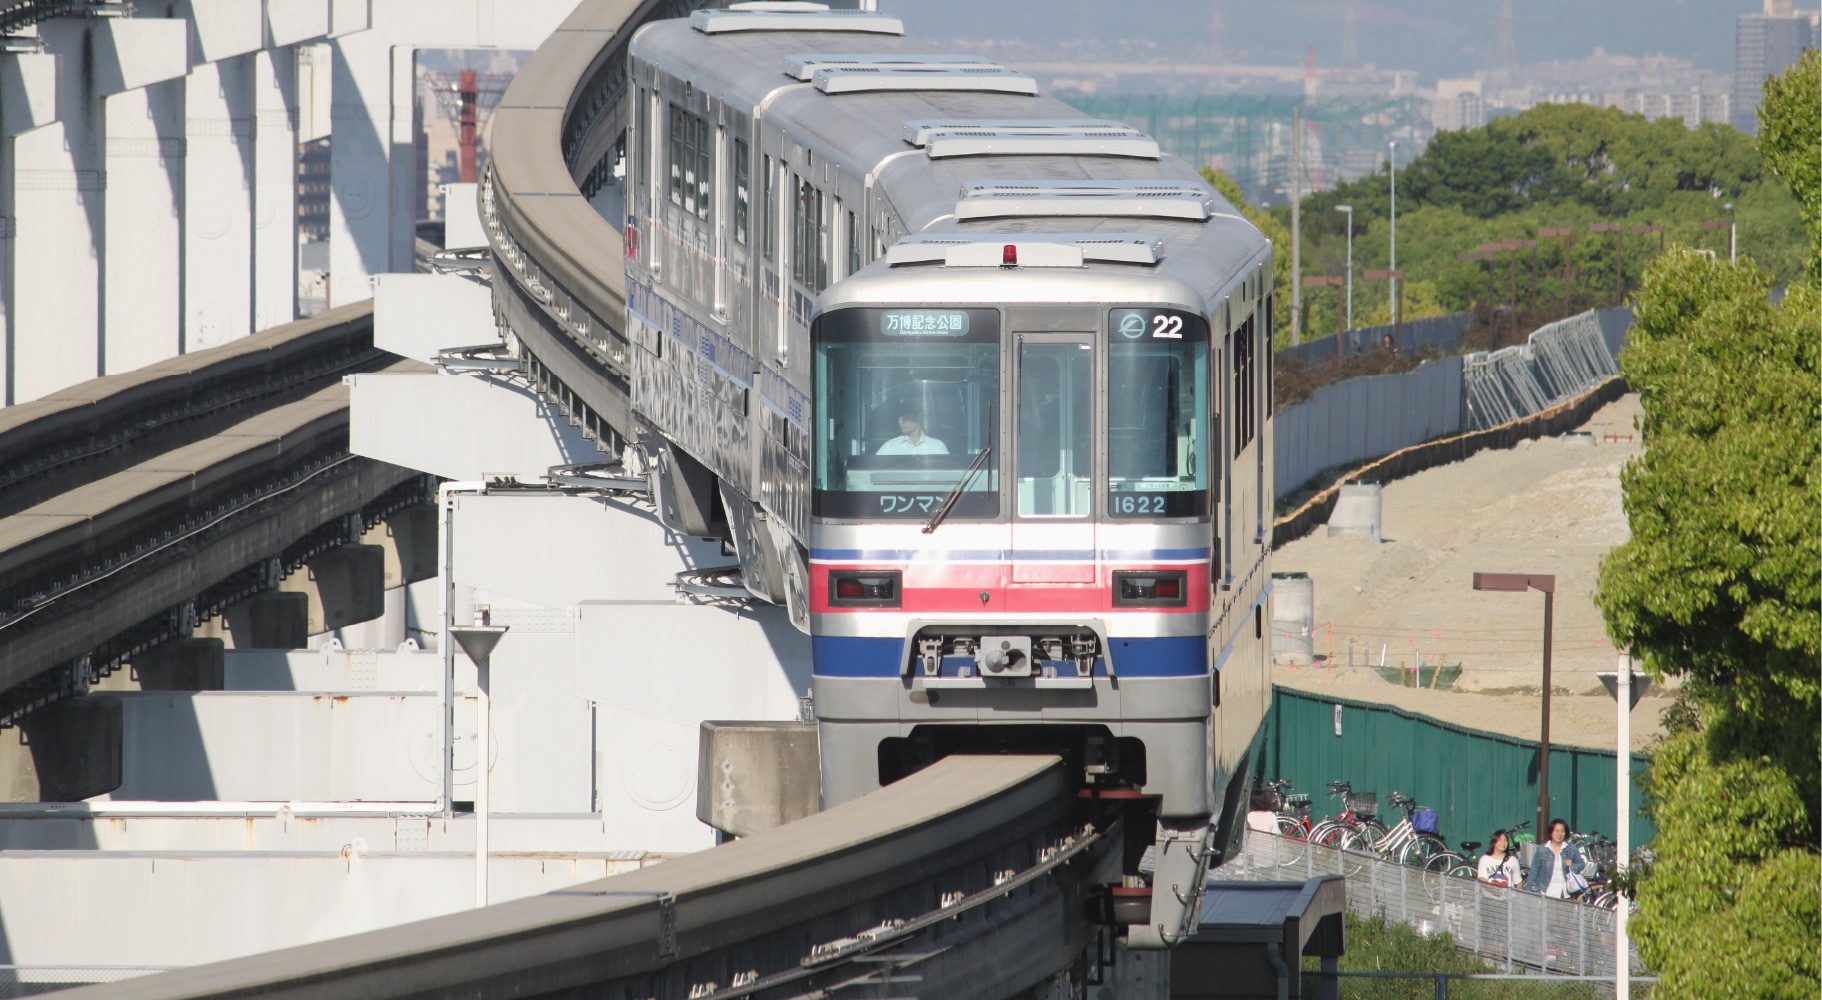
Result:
pixel 1498 866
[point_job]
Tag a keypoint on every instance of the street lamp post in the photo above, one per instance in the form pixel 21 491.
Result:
pixel 1626 686
pixel 1349 209
pixel 1546 583
pixel 478 641
pixel 1391 169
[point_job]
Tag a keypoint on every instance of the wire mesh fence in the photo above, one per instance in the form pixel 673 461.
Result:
pixel 1446 986
pixel 1513 929
pixel 1555 362
pixel 31 980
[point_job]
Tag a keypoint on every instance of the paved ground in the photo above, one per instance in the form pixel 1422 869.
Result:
pixel 1545 506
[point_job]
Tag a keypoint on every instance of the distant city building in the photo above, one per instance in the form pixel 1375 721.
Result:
pixel 1458 105
pixel 1765 45
pixel 313 190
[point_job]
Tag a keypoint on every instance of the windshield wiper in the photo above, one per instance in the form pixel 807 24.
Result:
pixel 956 493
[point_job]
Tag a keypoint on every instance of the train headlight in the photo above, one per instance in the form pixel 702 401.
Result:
pixel 1144 589
pixel 864 589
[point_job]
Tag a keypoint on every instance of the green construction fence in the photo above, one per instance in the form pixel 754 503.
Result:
pixel 1475 780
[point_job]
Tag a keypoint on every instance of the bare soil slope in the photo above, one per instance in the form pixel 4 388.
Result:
pixel 1546 506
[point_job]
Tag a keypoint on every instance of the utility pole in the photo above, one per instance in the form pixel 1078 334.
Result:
pixel 1391 170
pixel 1296 226
pixel 1619 256
pixel 1568 235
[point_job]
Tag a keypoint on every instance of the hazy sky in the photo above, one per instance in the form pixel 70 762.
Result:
pixel 1434 37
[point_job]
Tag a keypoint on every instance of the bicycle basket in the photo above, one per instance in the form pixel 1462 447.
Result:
pixel 1424 821
pixel 1364 804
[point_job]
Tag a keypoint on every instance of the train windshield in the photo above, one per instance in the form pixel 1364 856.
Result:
pixel 906 400
pixel 1157 414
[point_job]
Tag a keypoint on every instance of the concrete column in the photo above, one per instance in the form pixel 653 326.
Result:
pixel 343 587
pixel 274 187
pixel 28 100
pixel 64 752
pixel 143 276
pixel 218 212
pixel 58 179
pixel 359 172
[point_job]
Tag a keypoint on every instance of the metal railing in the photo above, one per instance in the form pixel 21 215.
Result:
pixel 1517 930
pixel 1467 986
pixel 1554 363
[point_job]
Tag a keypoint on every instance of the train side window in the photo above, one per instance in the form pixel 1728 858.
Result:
pixel 1271 354
pixel 743 183
pixel 692 160
pixel 768 235
pixel 1243 395
pixel 853 234
pixel 809 237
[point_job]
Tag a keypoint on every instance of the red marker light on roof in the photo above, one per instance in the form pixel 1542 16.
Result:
pixel 1009 255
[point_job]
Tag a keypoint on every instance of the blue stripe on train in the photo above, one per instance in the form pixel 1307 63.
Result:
pixel 848 656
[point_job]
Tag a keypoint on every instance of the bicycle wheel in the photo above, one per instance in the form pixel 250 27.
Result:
pixel 1444 862
pixel 1330 833
pixel 1375 829
pixel 1356 848
pixel 1419 849
pixel 1292 842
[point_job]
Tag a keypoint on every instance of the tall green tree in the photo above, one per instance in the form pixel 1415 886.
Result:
pixel 1720 585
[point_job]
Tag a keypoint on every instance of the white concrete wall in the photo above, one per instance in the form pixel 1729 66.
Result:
pixel 90 275
pixel 165 909
pixel 460 427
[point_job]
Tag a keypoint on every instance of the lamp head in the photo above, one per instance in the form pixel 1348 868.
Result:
pixel 1515 582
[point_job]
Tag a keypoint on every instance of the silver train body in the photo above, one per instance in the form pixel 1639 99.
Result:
pixel 978 388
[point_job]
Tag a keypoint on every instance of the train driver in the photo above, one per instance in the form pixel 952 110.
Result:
pixel 911 438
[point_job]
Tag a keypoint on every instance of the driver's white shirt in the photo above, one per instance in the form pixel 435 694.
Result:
pixel 902 445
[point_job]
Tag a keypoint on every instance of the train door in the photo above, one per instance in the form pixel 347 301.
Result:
pixel 1053 530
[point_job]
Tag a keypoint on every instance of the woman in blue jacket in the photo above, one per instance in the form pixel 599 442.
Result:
pixel 1552 864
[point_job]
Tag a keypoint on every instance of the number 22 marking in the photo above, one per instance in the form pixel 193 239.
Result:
pixel 1167 326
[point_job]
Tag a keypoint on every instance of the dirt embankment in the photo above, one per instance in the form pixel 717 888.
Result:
pixel 1545 506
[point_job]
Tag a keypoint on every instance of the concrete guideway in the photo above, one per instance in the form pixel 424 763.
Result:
pixel 104 425
pixel 969 875
pixel 85 565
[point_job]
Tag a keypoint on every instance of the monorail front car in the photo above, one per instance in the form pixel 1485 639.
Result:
pixel 978 388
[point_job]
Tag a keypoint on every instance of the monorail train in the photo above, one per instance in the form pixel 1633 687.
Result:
pixel 979 388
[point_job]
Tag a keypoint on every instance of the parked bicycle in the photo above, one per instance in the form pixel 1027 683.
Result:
pixel 1414 840
pixel 1357 826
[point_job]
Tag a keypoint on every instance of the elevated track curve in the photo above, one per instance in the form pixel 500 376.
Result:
pixel 964 880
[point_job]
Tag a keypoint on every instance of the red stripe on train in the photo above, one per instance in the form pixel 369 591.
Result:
pixel 957 589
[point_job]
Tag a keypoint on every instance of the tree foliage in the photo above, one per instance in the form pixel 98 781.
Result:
pixel 1554 166
pixel 1274 230
pixel 1790 142
pixel 1720 584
